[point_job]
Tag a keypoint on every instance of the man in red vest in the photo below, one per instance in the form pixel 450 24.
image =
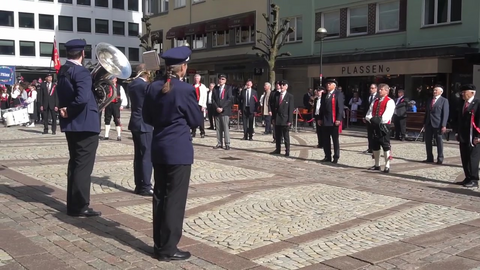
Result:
pixel 380 115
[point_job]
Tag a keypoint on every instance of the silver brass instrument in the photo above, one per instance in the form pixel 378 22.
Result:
pixel 111 63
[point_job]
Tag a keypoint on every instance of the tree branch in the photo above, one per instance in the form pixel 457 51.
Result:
pixel 255 48
pixel 263 33
pixel 283 54
pixel 264 43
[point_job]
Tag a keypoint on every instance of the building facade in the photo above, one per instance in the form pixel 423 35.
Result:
pixel 29 28
pixel 409 44
pixel 221 34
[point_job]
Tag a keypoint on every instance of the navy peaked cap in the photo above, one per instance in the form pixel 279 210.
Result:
pixel 75 45
pixel 177 55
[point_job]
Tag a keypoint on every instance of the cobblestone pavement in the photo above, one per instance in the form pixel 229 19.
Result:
pixel 247 209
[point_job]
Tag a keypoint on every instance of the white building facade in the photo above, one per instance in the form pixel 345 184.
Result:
pixel 29 27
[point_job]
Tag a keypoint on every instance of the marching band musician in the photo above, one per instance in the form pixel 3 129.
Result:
pixel 141 134
pixel 113 109
pixel 379 115
pixel 201 92
pixel 4 104
pixel 80 122
pixel 468 136
pixel 171 107
pixel 31 104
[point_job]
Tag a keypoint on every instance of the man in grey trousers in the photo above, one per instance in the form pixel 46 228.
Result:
pixel 435 123
pixel 222 103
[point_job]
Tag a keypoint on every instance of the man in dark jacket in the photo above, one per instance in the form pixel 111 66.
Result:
pixel 222 102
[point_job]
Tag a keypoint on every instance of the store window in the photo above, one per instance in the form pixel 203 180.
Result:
pixel 442 11
pixel 244 34
pixel 220 38
pixel 388 16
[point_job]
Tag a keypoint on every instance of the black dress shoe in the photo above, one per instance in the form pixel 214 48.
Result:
pixel 145 192
pixel 54 133
pixel 386 170
pixel 335 161
pixel 106 138
pixel 276 152
pixel 45 132
pixel 250 139
pixel 326 160
pixel 194 135
pixel 202 136
pixel 178 256
pixel 287 154
pixel 89 212
pixel 428 161
pixel 218 146
pixel 244 138
pixel 462 182
pixel 440 161
pixel 374 168
pixel 471 184
pixel 227 147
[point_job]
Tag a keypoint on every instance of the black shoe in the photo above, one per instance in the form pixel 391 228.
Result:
pixel 471 184
pixel 54 133
pixel 119 138
pixel 319 146
pixel 212 128
pixel 145 192
pixel 45 132
pixel 250 139
pixel 462 182
pixel 202 136
pixel 106 138
pixel 218 146
pixel 374 168
pixel 368 151
pixel 276 152
pixel 89 212
pixel 178 256
pixel 335 161
pixel 227 147
pixel 244 138
pixel 440 161
pixel 428 160
pixel 274 141
pixel 287 154
pixel 386 170
pixel 326 160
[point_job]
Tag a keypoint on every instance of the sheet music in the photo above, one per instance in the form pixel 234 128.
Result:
pixel 151 60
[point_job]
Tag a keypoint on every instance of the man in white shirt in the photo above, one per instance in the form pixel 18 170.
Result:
pixel 201 92
pixel 379 115
pixel 113 110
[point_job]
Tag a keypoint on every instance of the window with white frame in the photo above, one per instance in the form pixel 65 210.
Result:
pixel 179 42
pixel 180 3
pixel 331 22
pixel 156 6
pixel 199 42
pixel 388 16
pixel 357 21
pixel 297 34
pixel 244 34
pixel 442 11
pixel 220 38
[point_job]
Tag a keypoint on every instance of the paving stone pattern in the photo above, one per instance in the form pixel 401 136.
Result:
pixel 246 209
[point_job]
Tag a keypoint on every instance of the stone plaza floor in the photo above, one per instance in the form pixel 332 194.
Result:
pixel 246 209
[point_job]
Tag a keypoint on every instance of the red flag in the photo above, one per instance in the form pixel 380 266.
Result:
pixel 55 57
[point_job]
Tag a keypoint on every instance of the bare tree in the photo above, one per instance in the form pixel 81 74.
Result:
pixel 148 40
pixel 272 41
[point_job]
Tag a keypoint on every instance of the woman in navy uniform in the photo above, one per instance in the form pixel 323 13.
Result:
pixel 80 122
pixel 171 107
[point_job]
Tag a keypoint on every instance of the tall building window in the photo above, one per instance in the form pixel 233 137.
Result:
pixel 46 0
pixel 199 42
pixel 133 29
pixel 26 20
pixel 119 4
pixel 46 49
pixel 388 16
pixel 118 28
pixel 244 34
pixel 84 2
pixel 27 48
pixel 65 23
pixel 88 51
pixel 101 26
pixel 7 47
pixel 101 3
pixel 220 38
pixel 6 18
pixel 122 49
pixel 156 6
pixel 84 25
pixel 133 5
pixel 296 24
pixel 331 22
pixel 442 11
pixel 133 54
pixel 62 51
pixel 357 21
pixel 180 3
pixel 65 1
pixel 46 21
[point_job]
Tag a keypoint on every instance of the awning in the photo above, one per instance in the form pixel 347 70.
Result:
pixel 245 20
pixel 217 25
pixel 176 32
pixel 195 29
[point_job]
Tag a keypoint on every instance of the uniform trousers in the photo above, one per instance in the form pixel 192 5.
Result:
pixel 268 124
pixel 470 160
pixel 82 147
pixel 202 126
pixel 142 161
pixel 113 109
pixel 49 111
pixel 169 201
pixel 248 119
pixel 282 132
pixel 331 132
pixel 223 133
pixel 400 126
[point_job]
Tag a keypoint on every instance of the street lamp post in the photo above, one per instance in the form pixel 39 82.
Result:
pixel 321 33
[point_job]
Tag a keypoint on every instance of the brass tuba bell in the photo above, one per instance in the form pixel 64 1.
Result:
pixel 111 63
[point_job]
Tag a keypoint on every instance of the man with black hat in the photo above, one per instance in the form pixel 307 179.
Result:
pixel 222 102
pixel 468 135
pixel 80 121
pixel 49 103
pixel 331 116
pixel 282 117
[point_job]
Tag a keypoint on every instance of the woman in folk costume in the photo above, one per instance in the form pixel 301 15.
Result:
pixel 4 98
pixel 16 95
pixel 355 103
pixel 30 103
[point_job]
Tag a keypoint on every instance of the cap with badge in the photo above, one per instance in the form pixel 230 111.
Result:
pixel 468 87
pixel 49 75
pixel 222 76
pixel 176 56
pixel 283 82
pixel 75 45
pixel 331 81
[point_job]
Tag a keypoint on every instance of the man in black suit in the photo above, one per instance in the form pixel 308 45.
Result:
pixel 435 123
pixel 271 103
pixel 48 103
pixel 222 102
pixel 248 101
pixel 316 113
pixel 400 116
pixel 331 116
pixel 371 98
pixel 282 117
pixel 141 135
pixel 468 134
